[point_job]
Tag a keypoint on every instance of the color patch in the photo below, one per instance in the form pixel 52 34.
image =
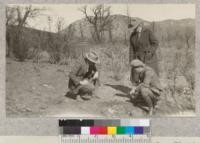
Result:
pixel 147 130
pixel 71 130
pixel 139 130
pixel 94 130
pixel 112 130
pixel 134 123
pixel 103 130
pixel 85 130
pixel 125 122
pixel 130 130
pixel 121 130
pixel 104 127
pixel 144 122
pixel 69 122
pixel 87 123
pixel 76 123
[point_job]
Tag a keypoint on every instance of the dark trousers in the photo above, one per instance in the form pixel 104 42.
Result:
pixel 147 95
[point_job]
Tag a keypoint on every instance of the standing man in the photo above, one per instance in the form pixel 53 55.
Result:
pixel 84 76
pixel 143 46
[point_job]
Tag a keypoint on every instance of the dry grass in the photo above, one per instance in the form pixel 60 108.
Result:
pixel 176 69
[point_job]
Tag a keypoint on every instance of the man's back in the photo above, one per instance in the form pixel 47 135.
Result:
pixel 150 78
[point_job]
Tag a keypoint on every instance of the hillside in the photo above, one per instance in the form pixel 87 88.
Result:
pixel 40 80
pixel 120 30
pixel 163 29
pixel 33 36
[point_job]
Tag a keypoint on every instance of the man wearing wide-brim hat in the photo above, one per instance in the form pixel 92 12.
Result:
pixel 148 87
pixel 84 76
pixel 143 46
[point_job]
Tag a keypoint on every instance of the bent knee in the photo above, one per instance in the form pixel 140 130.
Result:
pixel 145 91
pixel 87 88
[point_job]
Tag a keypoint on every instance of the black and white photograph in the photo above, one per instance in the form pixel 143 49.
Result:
pixel 100 60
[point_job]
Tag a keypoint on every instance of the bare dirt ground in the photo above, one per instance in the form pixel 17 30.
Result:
pixel 38 90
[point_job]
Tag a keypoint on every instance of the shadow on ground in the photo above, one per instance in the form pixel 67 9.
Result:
pixel 121 88
pixel 125 93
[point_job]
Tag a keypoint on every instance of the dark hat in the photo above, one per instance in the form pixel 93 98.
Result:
pixel 130 25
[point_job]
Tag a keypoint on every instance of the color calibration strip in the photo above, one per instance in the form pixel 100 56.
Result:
pixel 105 131
pixel 105 127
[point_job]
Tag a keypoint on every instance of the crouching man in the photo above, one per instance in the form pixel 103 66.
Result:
pixel 148 85
pixel 84 77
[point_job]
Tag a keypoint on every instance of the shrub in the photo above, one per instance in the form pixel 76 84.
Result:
pixel 115 59
pixel 20 46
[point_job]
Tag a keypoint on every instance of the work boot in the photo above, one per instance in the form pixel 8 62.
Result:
pixel 86 97
pixel 79 98
pixel 70 94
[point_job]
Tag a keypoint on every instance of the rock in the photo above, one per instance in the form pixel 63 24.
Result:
pixel 27 109
pixel 164 83
pixel 43 108
pixel 45 85
pixel 33 88
pixel 44 56
pixel 181 82
pixel 111 111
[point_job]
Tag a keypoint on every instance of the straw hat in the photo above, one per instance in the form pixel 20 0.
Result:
pixel 93 57
pixel 137 63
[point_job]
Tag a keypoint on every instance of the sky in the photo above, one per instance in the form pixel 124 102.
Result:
pixel 70 13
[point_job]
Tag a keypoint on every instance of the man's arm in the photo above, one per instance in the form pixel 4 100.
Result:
pixel 153 41
pixel 73 74
pixel 131 53
pixel 96 76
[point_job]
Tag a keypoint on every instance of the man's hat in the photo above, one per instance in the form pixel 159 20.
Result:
pixel 93 57
pixel 137 63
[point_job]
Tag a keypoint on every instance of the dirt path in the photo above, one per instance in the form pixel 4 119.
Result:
pixel 35 90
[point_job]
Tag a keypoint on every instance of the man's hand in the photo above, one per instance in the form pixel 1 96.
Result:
pixel 132 90
pixel 84 82
pixel 96 75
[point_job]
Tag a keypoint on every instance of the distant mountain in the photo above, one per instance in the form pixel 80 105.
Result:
pixel 119 27
pixel 166 31
pixel 120 30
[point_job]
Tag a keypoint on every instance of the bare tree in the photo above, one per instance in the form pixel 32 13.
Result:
pixel 125 38
pixel 58 43
pixel 153 26
pixel 10 16
pixel 128 22
pixel 100 20
pixel 128 15
pixel 29 12
pixel 188 36
pixel 189 64
pixel 54 41
pixel 60 25
pixel 17 16
pixel 173 73
pixel 81 30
